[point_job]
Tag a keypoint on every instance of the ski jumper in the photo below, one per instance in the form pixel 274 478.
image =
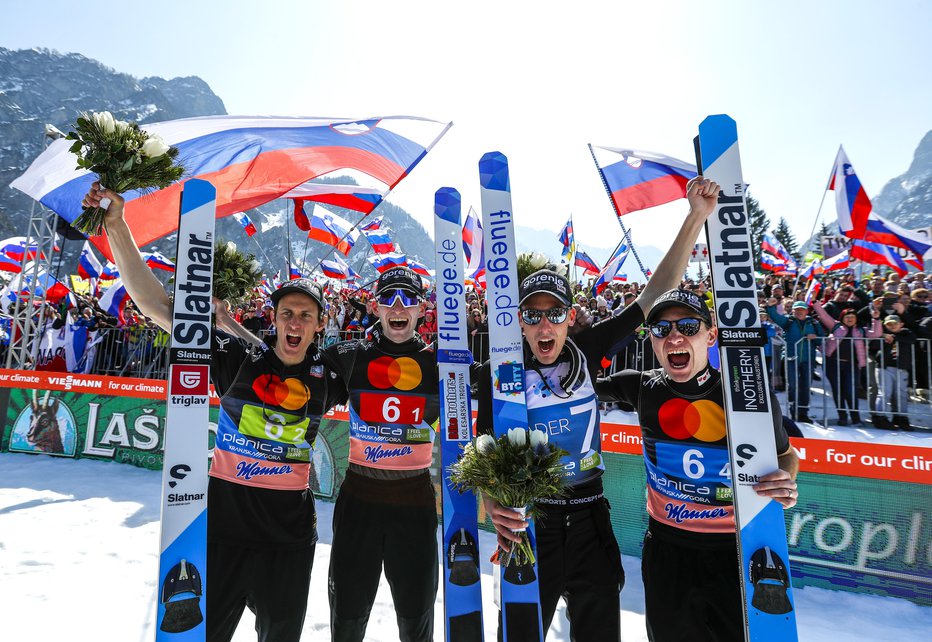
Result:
pixel 386 512
pixel 577 553
pixel 261 522
pixel 689 563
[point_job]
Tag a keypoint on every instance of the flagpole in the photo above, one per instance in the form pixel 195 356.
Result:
pixel 288 239
pixel 818 217
pixel 624 230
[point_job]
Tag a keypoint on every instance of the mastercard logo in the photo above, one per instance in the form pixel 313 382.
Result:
pixel 289 394
pixel 402 373
pixel 682 419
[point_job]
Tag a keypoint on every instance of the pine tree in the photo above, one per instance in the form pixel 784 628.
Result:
pixel 758 224
pixel 785 236
pixel 825 230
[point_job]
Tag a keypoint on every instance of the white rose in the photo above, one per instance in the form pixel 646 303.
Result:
pixel 517 437
pixel 231 246
pixel 255 266
pixel 485 444
pixel 538 260
pixel 154 147
pixel 121 124
pixel 538 438
pixel 104 121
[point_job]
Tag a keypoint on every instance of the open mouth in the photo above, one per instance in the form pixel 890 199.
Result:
pixel 545 346
pixel 293 340
pixel 678 359
pixel 398 324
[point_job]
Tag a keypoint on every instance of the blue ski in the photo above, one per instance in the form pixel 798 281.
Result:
pixel 520 595
pixel 462 590
pixel 183 560
pixel 768 597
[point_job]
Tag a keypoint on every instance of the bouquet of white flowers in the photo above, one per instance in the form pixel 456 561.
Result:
pixel 235 274
pixel 125 158
pixel 515 470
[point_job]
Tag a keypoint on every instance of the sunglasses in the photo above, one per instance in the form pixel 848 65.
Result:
pixel 388 298
pixel 686 327
pixel 556 316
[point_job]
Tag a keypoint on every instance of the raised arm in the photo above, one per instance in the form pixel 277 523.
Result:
pixel 702 195
pixel 143 287
pixel 824 316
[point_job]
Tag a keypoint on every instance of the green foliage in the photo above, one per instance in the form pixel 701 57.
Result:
pixel 785 236
pixel 530 262
pixel 123 156
pixel 235 274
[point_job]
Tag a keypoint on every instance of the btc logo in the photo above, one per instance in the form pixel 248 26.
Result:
pixel 289 394
pixel 402 373
pixel 682 419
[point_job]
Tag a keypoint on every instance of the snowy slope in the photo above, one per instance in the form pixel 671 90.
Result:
pixel 78 560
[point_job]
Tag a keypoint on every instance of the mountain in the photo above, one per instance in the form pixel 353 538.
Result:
pixel 907 199
pixel 42 86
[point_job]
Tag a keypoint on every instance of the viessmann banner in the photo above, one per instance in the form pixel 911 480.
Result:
pixel 863 523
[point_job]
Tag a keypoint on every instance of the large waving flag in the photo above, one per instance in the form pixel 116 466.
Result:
pixel 851 201
pixel 113 300
pixel 382 262
pixel 880 230
pixel 88 265
pixel 636 180
pixel 378 238
pixel 611 269
pixel 246 223
pixel 838 262
pixel 335 268
pixel 584 261
pixel 770 244
pixel 158 261
pixel 333 229
pixel 349 196
pixel 879 254
pixel 12 251
pixel 249 160
pixel 568 240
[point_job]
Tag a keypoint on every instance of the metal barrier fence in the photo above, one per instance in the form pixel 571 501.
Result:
pixel 827 388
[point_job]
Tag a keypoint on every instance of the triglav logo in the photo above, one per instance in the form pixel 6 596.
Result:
pixel 189 379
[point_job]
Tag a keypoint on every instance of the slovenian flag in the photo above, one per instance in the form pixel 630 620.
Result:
pixel 838 262
pixel 584 261
pixel 335 268
pixel 611 269
pixel 770 244
pixel 815 268
pixel 879 254
pixel 294 273
pixel 378 238
pixel 567 239
pixel 249 160
pixel 113 299
pixel 419 268
pixel 636 180
pixel 332 229
pixel 245 222
pixel 158 261
pixel 772 263
pixel 382 262
pixel 346 195
pixel 880 230
pixel 88 265
pixel 813 292
pixel 472 245
pixel 12 252
pixel 851 201
pixel 109 272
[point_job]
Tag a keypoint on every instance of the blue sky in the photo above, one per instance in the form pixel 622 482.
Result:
pixel 539 80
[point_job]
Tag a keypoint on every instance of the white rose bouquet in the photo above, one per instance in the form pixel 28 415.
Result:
pixel 125 158
pixel 514 470
pixel 235 273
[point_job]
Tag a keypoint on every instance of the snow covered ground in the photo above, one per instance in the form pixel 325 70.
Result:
pixel 78 561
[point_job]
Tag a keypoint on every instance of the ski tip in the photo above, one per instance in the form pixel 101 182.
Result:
pixel 196 192
pixel 447 204
pixel 717 133
pixel 493 172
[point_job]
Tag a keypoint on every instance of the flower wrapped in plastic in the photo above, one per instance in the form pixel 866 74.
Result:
pixel 123 156
pixel 515 470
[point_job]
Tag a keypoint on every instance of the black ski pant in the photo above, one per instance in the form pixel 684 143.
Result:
pixel 273 582
pixel 579 560
pixel 390 523
pixel 691 594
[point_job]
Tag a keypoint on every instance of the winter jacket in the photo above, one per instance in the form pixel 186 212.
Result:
pixel 793 331
pixel 839 330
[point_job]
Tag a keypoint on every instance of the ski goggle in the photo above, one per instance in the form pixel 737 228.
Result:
pixel 686 327
pixel 556 316
pixel 388 298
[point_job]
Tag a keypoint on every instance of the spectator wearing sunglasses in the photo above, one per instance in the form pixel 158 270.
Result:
pixel 688 564
pixel 386 513
pixel 262 524
pixel 578 556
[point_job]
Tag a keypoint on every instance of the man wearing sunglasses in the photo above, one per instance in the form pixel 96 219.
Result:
pixel 261 522
pixel 386 512
pixel 691 584
pixel 578 556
